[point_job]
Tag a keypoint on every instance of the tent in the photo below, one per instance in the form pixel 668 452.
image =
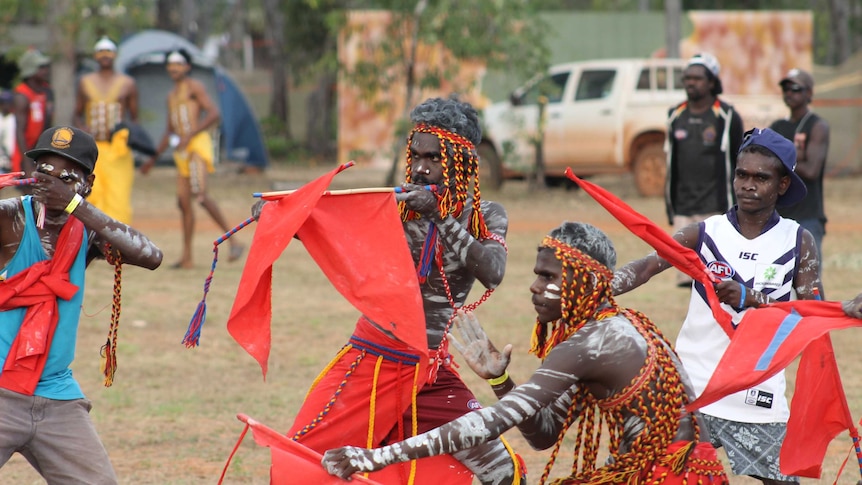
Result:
pixel 142 56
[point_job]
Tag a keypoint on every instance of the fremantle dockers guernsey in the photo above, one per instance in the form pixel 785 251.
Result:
pixel 767 263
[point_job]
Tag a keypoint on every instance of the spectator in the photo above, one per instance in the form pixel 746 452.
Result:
pixel 8 146
pixel 703 137
pixel 760 257
pixel 34 103
pixel 810 134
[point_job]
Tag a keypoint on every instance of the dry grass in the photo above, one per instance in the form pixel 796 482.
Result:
pixel 170 416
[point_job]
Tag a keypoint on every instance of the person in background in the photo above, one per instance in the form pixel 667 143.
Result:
pixel 191 114
pixel 8 146
pixel 810 134
pixel 703 137
pixel 34 104
pixel 759 257
pixel 104 99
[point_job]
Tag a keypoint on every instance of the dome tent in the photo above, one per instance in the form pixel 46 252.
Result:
pixel 142 56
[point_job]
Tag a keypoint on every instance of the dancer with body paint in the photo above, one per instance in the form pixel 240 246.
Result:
pixel 600 364
pixel 191 114
pixel 456 238
pixel 105 99
pixel 761 257
pixel 45 415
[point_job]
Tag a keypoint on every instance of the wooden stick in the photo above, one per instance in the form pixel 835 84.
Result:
pixel 367 190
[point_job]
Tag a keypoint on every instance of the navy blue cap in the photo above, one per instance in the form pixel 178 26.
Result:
pixel 785 150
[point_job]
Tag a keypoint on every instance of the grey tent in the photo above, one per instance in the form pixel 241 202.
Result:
pixel 142 56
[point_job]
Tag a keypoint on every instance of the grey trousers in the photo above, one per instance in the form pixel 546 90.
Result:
pixel 56 437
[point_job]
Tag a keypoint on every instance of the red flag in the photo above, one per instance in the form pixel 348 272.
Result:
pixel 358 241
pixel 766 341
pixel 251 314
pixel 683 258
pixel 292 462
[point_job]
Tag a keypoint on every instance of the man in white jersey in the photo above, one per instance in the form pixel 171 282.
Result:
pixel 760 257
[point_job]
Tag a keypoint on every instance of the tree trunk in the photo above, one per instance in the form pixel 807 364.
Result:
pixel 409 76
pixel 167 16
pixel 234 51
pixel 839 14
pixel 61 37
pixel 672 14
pixel 275 23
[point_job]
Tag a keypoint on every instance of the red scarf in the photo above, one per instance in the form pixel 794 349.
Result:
pixel 38 288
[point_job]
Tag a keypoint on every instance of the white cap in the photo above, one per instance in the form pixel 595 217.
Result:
pixel 105 44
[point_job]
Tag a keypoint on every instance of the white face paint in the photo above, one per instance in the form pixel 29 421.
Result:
pixel 549 292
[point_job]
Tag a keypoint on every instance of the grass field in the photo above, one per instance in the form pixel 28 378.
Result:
pixel 170 416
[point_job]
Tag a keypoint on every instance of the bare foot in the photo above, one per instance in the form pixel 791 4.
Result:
pixel 182 265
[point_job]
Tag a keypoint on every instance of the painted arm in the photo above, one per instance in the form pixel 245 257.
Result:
pixel 212 117
pixel 639 271
pixel 541 429
pixel 469 430
pixel 805 283
pixel 132 101
pixel 812 157
pixel 134 247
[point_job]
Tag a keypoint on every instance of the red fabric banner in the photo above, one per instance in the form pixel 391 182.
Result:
pixel 682 258
pixel 358 241
pixel 292 462
pixel 766 341
pixel 251 314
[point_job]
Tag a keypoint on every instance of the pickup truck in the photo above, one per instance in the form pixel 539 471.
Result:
pixel 603 116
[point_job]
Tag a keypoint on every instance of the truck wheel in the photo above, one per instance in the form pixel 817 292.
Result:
pixel 650 170
pixel 490 167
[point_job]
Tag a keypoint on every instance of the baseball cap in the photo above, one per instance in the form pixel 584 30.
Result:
pixel 799 77
pixel 785 150
pixel 69 142
pixel 31 61
pixel 710 62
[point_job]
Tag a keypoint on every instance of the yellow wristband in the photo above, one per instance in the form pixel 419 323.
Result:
pixel 499 380
pixel 73 204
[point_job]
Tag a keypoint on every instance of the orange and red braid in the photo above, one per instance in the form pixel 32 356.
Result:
pixel 452 199
pixel 580 302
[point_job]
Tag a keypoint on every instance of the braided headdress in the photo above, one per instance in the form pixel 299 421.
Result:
pixel 581 295
pixel 458 156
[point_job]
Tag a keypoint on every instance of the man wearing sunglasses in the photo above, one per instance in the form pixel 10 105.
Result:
pixel 810 134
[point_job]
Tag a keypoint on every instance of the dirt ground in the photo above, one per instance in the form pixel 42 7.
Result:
pixel 170 418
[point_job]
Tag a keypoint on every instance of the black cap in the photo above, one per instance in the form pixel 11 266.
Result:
pixel 68 142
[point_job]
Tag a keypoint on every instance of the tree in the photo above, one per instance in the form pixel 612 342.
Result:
pixel 506 35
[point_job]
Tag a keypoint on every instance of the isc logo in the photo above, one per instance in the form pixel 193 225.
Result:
pixel 759 398
pixel 748 256
pixel 721 269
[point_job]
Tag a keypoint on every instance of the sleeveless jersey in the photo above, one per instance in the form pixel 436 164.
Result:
pixel 103 110
pixel 767 263
pixel 811 207
pixel 38 101
pixel 56 381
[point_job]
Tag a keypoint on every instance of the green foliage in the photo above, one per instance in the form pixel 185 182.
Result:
pixel 279 145
pixel 506 35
